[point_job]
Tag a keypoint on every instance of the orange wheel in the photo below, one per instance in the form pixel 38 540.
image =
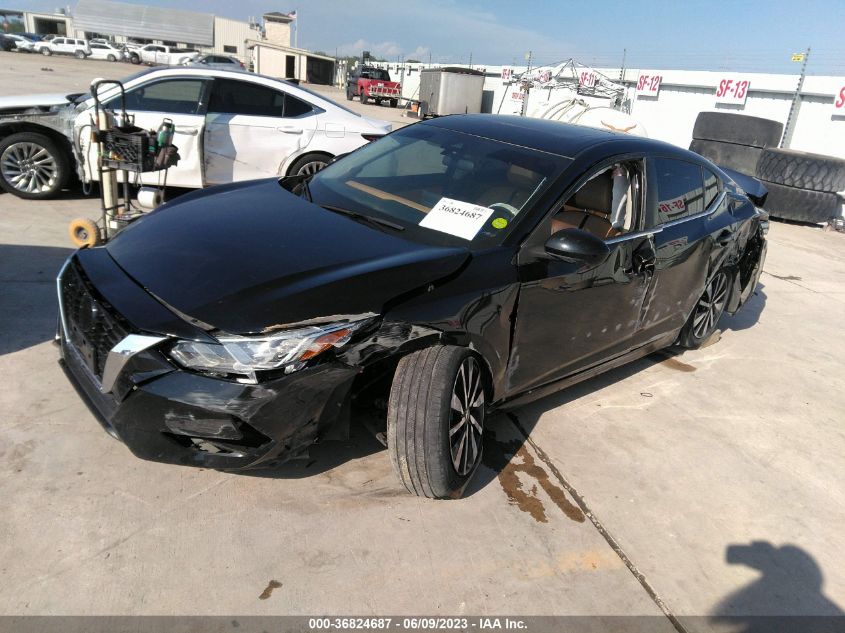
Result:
pixel 84 232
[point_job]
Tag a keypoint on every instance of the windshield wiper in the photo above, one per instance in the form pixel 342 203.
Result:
pixel 364 218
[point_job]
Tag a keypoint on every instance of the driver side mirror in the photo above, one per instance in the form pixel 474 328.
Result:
pixel 577 246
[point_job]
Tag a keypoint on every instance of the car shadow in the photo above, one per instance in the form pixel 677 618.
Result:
pixel 787 596
pixel 749 314
pixel 28 302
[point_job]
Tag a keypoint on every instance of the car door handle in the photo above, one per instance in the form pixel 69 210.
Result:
pixel 188 131
pixel 290 129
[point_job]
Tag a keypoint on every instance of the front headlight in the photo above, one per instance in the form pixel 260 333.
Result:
pixel 245 355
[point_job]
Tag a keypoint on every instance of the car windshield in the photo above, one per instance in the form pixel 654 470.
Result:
pixel 443 187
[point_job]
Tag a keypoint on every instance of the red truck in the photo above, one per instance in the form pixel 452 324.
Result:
pixel 368 82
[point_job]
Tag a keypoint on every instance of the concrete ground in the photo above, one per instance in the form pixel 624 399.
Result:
pixel 706 484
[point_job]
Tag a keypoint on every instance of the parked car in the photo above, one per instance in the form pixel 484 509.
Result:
pixel 21 44
pixel 7 44
pixel 455 267
pixel 223 62
pixel 162 55
pixel 63 46
pixel 99 50
pixel 369 82
pixel 230 126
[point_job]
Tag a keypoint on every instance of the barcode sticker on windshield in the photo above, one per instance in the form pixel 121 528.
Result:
pixel 454 217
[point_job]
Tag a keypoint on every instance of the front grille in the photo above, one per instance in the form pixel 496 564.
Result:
pixel 93 327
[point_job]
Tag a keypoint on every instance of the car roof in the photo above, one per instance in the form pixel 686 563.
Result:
pixel 553 137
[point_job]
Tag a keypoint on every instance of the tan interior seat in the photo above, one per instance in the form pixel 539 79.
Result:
pixel 589 209
pixel 516 186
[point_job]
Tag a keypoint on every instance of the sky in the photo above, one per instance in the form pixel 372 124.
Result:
pixel 738 35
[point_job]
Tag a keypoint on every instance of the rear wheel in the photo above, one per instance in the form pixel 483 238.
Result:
pixel 32 165
pixel 79 55
pixel 707 312
pixel 394 103
pixel 46 52
pixel 435 420
pixel 309 164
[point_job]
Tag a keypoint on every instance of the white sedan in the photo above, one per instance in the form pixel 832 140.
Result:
pixel 230 126
pixel 105 51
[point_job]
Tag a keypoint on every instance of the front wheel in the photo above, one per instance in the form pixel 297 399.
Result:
pixel 707 312
pixel 111 58
pixel 134 59
pixel 435 420
pixel 32 165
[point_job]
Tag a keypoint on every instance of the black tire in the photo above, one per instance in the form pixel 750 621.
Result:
pixel 704 319
pixel 737 128
pixel 135 59
pixel 394 103
pixel 802 205
pixel 79 55
pixel 801 169
pixel 60 160
pixel 420 415
pixel 742 158
pixel 311 163
pixel 46 52
pixel 111 58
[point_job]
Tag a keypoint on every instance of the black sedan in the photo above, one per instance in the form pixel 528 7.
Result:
pixel 454 267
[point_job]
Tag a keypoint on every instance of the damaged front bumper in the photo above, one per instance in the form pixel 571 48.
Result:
pixel 167 414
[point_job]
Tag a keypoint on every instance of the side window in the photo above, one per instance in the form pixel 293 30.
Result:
pixel 296 107
pixel 712 186
pixel 177 96
pixel 230 49
pixel 607 205
pixel 242 97
pixel 680 190
pixel 59 40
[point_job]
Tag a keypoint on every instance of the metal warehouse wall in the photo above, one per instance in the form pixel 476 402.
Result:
pixel 683 94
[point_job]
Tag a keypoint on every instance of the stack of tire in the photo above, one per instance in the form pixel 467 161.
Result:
pixel 735 141
pixel 802 186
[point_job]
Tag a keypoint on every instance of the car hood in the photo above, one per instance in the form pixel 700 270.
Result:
pixel 250 257
pixel 32 101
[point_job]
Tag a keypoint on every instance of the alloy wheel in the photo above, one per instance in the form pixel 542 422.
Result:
pixel 28 167
pixel 710 306
pixel 311 168
pixel 466 420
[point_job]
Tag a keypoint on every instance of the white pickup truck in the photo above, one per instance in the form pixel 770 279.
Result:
pixel 160 54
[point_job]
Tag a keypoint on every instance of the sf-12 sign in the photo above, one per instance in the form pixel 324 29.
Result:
pixel 648 85
pixel 732 90
pixel 839 102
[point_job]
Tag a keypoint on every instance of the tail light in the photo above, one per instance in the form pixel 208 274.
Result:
pixel 372 137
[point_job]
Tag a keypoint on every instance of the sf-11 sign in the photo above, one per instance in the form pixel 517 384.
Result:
pixel 732 90
pixel 648 85
pixel 587 79
pixel 839 102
